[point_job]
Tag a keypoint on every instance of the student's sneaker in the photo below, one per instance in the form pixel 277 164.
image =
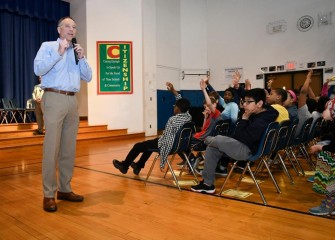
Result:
pixel 119 165
pixel 180 164
pixel 321 210
pixel 221 171
pixel 198 171
pixel 310 179
pixel 136 169
pixel 203 188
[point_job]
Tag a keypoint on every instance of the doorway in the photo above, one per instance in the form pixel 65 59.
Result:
pixel 295 79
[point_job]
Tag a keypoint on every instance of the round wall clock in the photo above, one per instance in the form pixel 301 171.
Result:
pixel 305 23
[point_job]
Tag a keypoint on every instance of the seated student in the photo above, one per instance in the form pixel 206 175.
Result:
pixel 230 108
pixel 245 140
pixel 164 142
pixel 325 171
pixel 305 109
pixel 291 104
pixel 230 111
pixel 276 99
pixel 216 96
pixel 211 116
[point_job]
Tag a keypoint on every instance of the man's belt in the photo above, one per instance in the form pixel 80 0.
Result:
pixel 59 91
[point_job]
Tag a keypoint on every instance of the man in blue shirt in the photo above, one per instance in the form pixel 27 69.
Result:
pixel 61 75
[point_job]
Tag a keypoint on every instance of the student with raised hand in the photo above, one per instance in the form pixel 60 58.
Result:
pixel 164 143
pixel 230 108
pixel 304 111
pixel 245 140
pixel 211 114
pixel 239 90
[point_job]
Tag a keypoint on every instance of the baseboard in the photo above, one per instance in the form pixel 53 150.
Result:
pixel 83 118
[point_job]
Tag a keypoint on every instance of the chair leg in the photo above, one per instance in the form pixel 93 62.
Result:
pixel 271 175
pixel 241 177
pixel 192 169
pixel 256 183
pixel 259 168
pixel 227 178
pixel 174 175
pixel 290 159
pixel 150 170
pixel 296 160
pixel 171 161
pixel 308 158
pixel 285 168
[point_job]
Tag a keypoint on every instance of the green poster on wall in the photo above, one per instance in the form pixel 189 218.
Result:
pixel 114 60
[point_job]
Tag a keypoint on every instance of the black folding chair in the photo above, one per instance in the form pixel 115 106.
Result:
pixel 11 110
pixel 282 137
pixel 265 147
pixel 181 143
pixel 222 127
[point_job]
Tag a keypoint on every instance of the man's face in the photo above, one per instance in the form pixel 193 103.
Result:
pixel 67 29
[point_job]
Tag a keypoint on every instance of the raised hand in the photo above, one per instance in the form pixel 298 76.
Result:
pixel 203 84
pixel 63 45
pixel 206 79
pixel 309 74
pixel 247 84
pixel 169 86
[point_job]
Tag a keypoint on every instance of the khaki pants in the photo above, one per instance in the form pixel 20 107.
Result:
pixel 59 149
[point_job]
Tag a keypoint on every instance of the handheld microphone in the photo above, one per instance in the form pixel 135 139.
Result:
pixel 74 41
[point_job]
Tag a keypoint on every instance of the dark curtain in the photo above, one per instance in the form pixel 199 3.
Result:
pixel 24 25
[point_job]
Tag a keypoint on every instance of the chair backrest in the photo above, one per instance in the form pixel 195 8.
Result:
pixel 304 133
pixel 222 127
pixel 292 131
pixel 267 142
pixel 30 104
pixel 326 127
pixel 6 104
pixel 315 130
pixel 182 140
pixel 13 104
pixel 282 135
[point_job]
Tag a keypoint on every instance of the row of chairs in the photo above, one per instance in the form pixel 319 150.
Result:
pixel 279 142
pixel 182 143
pixel 10 112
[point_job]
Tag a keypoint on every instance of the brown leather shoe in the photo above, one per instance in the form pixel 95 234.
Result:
pixel 71 196
pixel 49 204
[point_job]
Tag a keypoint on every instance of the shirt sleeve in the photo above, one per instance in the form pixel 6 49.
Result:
pixel 45 59
pixel 166 141
pixel 85 70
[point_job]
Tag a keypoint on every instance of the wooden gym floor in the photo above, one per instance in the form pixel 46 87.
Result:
pixel 118 206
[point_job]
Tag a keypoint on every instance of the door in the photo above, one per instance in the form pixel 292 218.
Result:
pixel 294 80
